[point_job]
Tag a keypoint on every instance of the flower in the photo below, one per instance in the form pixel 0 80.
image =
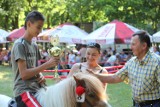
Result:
pixel 80 90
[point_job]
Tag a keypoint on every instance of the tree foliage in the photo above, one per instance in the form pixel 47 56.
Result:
pixel 143 14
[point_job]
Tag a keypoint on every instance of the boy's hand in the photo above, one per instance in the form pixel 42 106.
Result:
pixel 58 79
pixel 41 79
pixel 54 61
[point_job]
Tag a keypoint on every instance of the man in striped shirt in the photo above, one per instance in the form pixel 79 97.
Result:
pixel 142 72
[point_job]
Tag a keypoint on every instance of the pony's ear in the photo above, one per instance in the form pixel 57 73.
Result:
pixel 79 82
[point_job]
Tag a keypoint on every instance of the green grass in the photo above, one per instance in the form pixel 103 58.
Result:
pixel 6 80
pixel 119 94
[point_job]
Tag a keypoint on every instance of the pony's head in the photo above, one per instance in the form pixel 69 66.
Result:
pixel 81 90
pixel 90 90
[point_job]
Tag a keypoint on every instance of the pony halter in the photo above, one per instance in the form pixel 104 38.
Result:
pixel 80 94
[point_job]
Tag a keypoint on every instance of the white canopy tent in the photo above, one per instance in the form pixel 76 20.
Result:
pixel 156 37
pixel 3 36
pixel 67 33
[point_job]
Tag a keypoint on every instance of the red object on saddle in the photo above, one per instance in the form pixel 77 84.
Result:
pixel 80 90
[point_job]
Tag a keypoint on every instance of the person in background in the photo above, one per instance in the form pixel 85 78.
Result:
pixel 142 71
pixel 77 57
pixel 118 59
pixel 24 57
pixel 109 51
pixel 44 54
pixel 83 53
pixel 63 60
pixel 62 65
pixel 155 50
pixel 111 60
pixel 5 57
pixel 129 56
pixel 71 58
pixel 1 56
pixel 103 57
pixel 123 56
pixel 92 57
pixel 9 55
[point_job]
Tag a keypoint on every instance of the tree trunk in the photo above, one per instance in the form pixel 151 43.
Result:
pixel 6 23
pixel 48 22
pixel 15 22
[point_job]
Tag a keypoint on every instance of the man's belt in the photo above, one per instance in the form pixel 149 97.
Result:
pixel 147 102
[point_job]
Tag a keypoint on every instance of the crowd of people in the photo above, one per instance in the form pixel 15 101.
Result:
pixel 5 56
pixel 107 58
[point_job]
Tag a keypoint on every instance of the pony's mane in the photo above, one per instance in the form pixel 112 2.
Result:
pixel 65 89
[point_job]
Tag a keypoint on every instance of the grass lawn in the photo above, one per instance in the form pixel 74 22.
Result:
pixel 119 94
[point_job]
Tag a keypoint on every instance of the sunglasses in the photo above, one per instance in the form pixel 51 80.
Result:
pixel 94 45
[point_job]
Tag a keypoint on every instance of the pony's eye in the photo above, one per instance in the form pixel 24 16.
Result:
pixel 91 95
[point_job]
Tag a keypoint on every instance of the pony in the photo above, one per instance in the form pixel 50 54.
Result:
pixel 81 90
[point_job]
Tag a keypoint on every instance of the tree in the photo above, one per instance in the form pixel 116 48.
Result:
pixel 143 14
pixel 10 13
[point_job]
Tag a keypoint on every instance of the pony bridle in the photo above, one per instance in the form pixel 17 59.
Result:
pixel 88 104
pixel 80 96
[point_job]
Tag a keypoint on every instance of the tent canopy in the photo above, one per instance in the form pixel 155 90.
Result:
pixel 3 36
pixel 3 33
pixel 156 37
pixel 15 34
pixel 67 33
pixel 115 32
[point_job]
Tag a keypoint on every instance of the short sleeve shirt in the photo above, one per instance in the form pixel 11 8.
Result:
pixel 24 50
